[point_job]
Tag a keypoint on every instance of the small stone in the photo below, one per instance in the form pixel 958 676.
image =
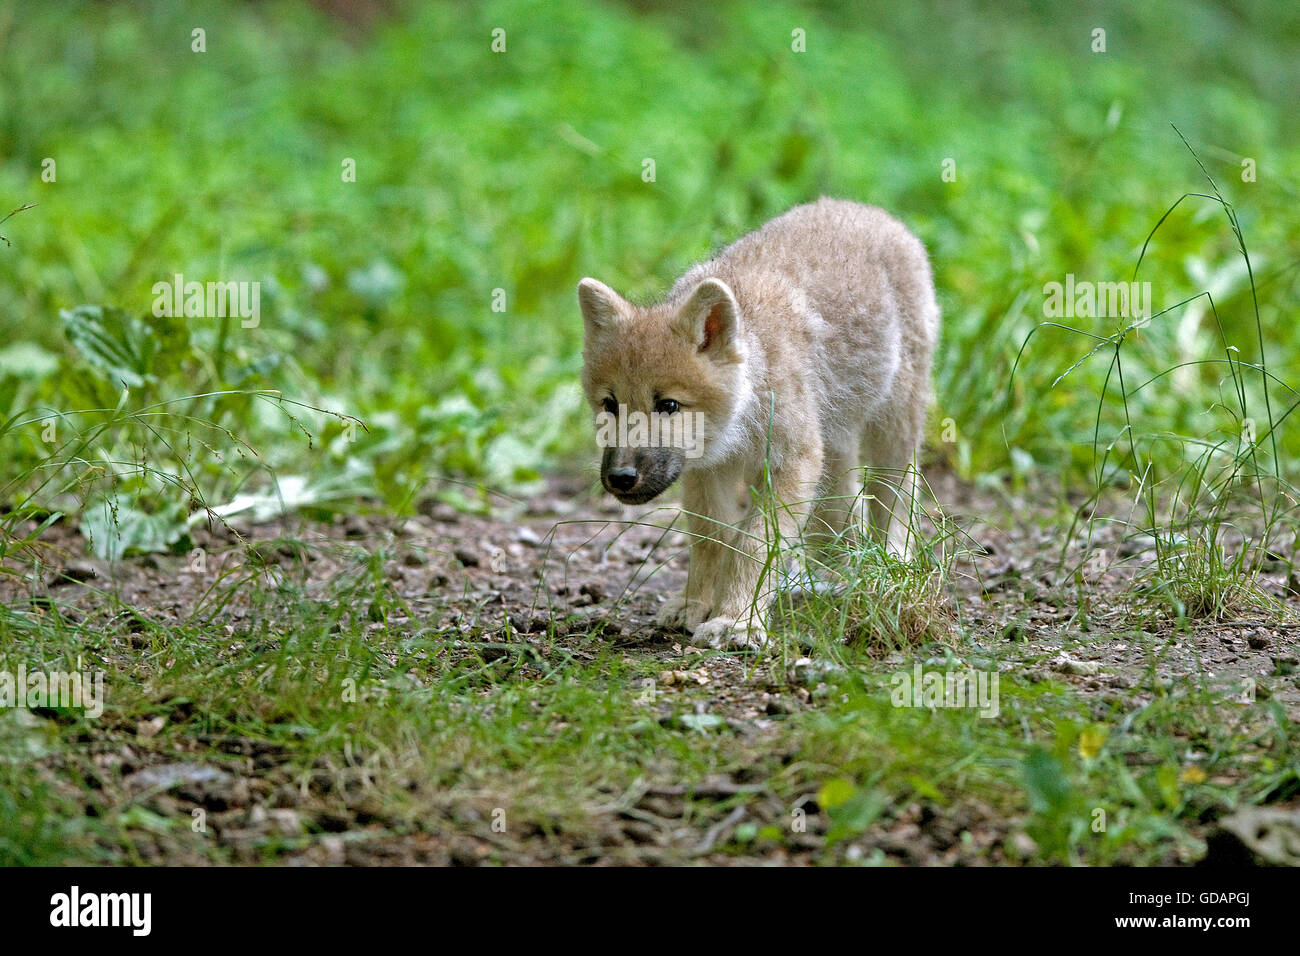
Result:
pixel 1024 844
pixel 166 776
pixel 150 728
pixel 335 851
pixel 1068 665
pixel 285 821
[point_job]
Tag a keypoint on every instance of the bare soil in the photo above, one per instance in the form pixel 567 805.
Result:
pixel 567 557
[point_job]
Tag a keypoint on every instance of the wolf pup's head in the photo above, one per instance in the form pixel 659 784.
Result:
pixel 664 382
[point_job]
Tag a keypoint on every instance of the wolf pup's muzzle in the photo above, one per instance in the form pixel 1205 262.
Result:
pixel 635 476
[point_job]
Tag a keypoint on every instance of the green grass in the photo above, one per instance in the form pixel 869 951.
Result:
pixel 480 171
pixel 380 373
pixel 385 723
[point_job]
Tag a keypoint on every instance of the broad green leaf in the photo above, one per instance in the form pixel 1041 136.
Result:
pixel 114 532
pixel 1046 782
pixel 855 815
pixel 114 343
pixel 835 793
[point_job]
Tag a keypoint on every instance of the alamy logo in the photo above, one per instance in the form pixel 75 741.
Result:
pixel 211 300
pixel 632 429
pixel 969 688
pixel 1097 300
pixel 74 908
pixel 68 690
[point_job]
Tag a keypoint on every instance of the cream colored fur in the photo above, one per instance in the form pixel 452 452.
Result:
pixel 806 348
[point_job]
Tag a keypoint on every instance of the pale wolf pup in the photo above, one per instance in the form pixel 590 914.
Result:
pixel 797 356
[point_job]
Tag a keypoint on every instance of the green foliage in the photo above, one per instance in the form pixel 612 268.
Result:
pixel 120 347
pixel 521 171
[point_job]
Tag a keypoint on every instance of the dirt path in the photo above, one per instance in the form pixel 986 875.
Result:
pixel 562 577
pixel 598 569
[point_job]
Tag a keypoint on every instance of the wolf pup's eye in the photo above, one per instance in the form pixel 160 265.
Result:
pixel 667 406
pixel 610 405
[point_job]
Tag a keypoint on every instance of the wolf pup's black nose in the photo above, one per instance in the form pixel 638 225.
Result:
pixel 622 479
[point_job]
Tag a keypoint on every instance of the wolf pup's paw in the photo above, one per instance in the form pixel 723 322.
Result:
pixel 678 613
pixel 727 633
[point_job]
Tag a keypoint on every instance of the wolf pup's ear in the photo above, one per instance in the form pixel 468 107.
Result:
pixel 711 319
pixel 600 305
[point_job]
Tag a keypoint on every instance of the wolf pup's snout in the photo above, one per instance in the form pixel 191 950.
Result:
pixel 622 479
pixel 635 476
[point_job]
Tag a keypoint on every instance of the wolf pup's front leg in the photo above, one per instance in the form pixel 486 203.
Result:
pixel 710 527
pixel 743 566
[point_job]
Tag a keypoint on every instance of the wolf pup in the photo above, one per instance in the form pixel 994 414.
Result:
pixel 781 368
